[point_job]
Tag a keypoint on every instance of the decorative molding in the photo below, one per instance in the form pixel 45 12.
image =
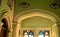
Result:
pixel 54 5
pixel 32 15
pixel 36 14
pixel 37 10
pixel 3 12
pixel 10 4
pixel 10 29
pixel 24 4
pixel 6 17
pixel 15 22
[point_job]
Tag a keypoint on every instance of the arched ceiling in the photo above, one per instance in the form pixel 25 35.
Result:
pixel 36 22
pixel 34 4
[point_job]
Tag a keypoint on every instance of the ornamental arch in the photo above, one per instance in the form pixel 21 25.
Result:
pixel 36 14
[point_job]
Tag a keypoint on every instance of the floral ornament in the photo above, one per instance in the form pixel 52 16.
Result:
pixel 24 4
pixel 54 5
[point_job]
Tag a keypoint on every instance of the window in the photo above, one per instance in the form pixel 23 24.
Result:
pixel 43 33
pixel 28 33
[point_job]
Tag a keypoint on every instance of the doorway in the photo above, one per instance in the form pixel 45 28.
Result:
pixel 4 29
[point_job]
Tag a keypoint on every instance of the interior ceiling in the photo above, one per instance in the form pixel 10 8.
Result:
pixel 34 4
pixel 36 22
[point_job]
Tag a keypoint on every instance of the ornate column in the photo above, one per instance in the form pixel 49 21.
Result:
pixel 10 30
pixel 55 30
pixel 17 30
pixel 58 25
pixel 14 33
pixel 16 27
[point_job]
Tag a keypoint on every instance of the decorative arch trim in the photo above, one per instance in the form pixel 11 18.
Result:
pixel 29 15
pixel 36 14
pixel 36 10
pixel 6 20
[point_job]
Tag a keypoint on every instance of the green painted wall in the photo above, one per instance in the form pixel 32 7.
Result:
pixel 35 4
pixel 36 22
pixel 3 5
